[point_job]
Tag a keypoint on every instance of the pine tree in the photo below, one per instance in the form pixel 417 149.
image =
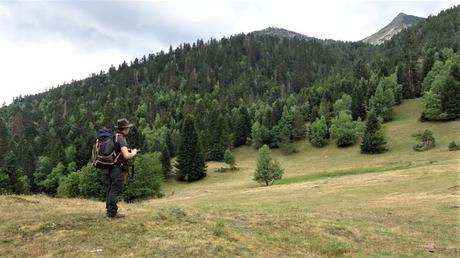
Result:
pixel 190 160
pixel 285 144
pixel 42 170
pixel 358 103
pixel 268 170
pixel 298 125
pixel 442 89
pixel 260 135
pixel 147 181
pixel 318 132
pixel 382 102
pixel 343 104
pixel 242 128
pixel 343 129
pixel 218 140
pixel 373 139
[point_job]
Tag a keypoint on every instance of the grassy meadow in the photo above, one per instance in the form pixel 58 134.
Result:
pixel 331 202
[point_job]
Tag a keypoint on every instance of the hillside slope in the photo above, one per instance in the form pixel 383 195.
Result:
pixel 407 207
pixel 400 22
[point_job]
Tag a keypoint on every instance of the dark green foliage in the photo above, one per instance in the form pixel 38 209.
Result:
pixel 159 140
pixel 343 104
pixel 318 132
pixel 229 159
pixel 69 185
pixel 51 183
pixel 190 159
pixel 9 174
pixel 147 180
pixel 242 128
pixel 359 100
pixel 93 183
pixel 260 135
pixel 268 169
pixel 373 139
pixel 70 153
pixel 425 140
pixel 219 139
pixel 4 182
pixel 441 98
pixel 298 125
pixel 23 185
pixel 343 129
pixel 43 169
pixel 285 144
pixel 453 146
pixel 382 101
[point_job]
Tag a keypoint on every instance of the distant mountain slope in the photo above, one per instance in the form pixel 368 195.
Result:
pixel 400 22
pixel 280 32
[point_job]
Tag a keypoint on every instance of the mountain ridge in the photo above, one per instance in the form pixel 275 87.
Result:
pixel 400 22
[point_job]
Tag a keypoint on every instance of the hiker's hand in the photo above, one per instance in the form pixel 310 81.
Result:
pixel 134 152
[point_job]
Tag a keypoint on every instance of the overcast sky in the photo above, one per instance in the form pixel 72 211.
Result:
pixel 46 43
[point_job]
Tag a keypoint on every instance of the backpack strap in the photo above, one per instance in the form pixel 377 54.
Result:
pixel 115 142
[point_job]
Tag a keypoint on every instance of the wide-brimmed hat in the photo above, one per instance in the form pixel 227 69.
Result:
pixel 123 123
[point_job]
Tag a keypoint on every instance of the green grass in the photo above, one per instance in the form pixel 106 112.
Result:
pixel 332 202
pixel 347 172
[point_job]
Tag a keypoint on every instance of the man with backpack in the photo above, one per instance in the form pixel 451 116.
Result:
pixel 117 172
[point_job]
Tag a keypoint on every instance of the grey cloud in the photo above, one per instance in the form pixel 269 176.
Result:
pixel 95 25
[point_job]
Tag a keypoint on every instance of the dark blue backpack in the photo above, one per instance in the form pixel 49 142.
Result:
pixel 104 154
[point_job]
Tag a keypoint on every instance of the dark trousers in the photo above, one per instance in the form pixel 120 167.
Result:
pixel 116 180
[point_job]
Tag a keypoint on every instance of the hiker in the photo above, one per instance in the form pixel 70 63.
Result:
pixel 118 172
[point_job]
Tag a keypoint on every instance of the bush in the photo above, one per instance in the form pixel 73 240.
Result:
pixel 318 132
pixel 51 183
pixel 343 130
pixel 268 170
pixel 93 182
pixel 454 146
pixel 426 140
pixel 23 185
pixel 147 179
pixel 69 185
pixel 229 159
pixel 4 182
pixel 260 135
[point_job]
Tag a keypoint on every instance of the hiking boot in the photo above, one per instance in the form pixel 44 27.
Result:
pixel 116 216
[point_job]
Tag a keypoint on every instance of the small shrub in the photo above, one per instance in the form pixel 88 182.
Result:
pixel 229 159
pixel 69 185
pixel 425 140
pixel 93 182
pixel 453 146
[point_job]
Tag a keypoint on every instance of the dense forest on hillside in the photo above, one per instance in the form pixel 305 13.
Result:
pixel 245 89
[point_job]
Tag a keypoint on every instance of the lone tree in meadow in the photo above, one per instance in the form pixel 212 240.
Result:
pixel 425 140
pixel 373 139
pixel 268 170
pixel 190 164
pixel 229 159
